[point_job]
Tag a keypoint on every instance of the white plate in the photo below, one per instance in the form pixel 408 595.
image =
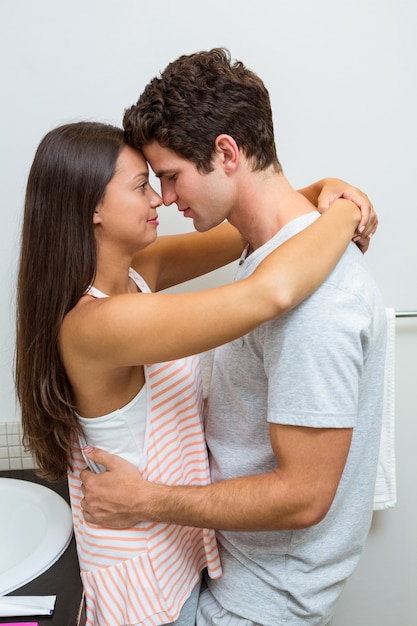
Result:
pixel 35 530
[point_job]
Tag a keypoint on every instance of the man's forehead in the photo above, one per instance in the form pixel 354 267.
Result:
pixel 161 159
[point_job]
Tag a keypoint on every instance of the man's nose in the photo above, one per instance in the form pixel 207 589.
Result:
pixel 168 194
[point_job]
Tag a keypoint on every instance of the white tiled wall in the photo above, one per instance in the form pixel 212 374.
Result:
pixel 12 453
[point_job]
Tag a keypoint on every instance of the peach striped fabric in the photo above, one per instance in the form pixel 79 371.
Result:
pixel 144 574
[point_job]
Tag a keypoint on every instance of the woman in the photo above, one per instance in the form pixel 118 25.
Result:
pixel 95 350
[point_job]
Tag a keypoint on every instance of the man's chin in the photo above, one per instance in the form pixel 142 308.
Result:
pixel 201 228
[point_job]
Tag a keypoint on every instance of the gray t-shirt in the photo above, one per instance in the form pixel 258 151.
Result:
pixel 321 365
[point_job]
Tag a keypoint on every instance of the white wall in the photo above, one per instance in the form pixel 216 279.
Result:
pixel 342 78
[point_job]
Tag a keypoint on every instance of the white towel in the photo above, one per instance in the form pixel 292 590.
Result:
pixel 386 486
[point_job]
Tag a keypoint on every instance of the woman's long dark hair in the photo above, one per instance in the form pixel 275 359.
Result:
pixel 67 180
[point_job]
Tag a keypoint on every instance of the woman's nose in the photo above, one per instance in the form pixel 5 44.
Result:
pixel 156 199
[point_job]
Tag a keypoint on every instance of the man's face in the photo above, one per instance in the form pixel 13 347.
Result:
pixel 205 198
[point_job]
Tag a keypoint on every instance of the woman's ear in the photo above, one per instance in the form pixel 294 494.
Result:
pixel 97 216
pixel 226 148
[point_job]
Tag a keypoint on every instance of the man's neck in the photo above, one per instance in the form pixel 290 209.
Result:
pixel 267 202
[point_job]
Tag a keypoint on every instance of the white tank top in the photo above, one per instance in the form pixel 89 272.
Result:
pixel 121 432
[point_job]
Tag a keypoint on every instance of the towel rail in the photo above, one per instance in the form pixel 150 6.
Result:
pixel 405 313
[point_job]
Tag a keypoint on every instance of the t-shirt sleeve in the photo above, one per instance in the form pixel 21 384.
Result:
pixel 313 360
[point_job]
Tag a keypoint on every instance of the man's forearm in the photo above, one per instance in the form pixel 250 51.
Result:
pixel 251 503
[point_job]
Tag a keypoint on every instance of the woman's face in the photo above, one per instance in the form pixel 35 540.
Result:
pixel 126 217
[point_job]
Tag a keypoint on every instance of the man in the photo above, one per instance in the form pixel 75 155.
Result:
pixel 295 406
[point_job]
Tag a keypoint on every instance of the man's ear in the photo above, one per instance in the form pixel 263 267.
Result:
pixel 226 148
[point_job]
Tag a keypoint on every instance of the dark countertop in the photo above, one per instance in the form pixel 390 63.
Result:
pixel 61 579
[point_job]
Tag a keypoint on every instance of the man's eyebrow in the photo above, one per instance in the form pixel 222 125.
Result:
pixel 161 173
